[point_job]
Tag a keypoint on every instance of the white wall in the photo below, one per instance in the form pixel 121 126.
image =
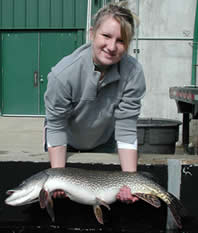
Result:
pixel 166 64
pixel 164 36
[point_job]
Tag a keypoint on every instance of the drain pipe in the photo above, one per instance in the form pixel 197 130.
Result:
pixel 88 20
pixel 137 30
pixel 174 187
pixel 195 47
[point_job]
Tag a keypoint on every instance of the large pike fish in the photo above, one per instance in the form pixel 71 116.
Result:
pixel 91 187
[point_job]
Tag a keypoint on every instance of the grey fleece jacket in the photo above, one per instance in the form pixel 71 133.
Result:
pixel 84 114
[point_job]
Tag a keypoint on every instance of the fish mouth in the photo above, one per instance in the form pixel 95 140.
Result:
pixel 20 197
pixel 10 192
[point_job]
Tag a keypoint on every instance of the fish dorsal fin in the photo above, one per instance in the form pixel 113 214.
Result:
pixel 151 199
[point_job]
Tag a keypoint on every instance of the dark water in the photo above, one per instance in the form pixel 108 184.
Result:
pixel 70 229
pixel 41 230
pixel 75 218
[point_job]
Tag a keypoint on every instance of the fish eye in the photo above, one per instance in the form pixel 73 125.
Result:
pixel 21 184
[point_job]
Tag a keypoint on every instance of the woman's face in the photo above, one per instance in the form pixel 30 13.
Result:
pixel 108 46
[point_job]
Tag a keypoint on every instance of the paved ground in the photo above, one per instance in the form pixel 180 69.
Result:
pixel 21 140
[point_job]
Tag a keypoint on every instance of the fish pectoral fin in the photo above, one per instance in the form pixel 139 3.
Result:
pixel 151 199
pixel 101 202
pixel 47 202
pixel 98 213
pixel 43 198
pixel 50 209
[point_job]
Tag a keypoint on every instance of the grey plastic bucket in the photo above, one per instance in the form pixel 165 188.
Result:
pixel 157 136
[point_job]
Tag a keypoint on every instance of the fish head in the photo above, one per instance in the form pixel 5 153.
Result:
pixel 27 192
pixel 19 195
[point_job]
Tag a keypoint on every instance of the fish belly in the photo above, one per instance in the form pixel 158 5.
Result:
pixel 108 196
pixel 76 192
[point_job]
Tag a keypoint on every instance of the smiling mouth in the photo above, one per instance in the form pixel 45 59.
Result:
pixel 107 54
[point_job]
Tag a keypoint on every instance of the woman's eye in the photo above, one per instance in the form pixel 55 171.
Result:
pixel 121 41
pixel 106 35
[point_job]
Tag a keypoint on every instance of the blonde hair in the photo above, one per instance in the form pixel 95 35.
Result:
pixel 123 15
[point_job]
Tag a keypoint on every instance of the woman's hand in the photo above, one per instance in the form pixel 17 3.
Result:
pixel 125 195
pixel 59 194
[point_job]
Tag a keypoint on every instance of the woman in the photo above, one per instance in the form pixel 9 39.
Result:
pixel 95 93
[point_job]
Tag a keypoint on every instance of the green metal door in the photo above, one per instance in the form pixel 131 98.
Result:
pixel 26 60
pixel 19 64
pixel 53 47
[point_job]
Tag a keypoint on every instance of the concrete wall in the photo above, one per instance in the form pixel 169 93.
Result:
pixel 164 37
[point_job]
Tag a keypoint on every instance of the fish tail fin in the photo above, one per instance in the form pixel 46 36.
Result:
pixel 177 209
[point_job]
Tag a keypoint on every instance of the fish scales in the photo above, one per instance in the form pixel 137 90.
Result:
pixel 106 184
pixel 104 179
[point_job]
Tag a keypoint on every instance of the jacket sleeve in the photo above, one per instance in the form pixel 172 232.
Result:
pixel 128 109
pixel 58 109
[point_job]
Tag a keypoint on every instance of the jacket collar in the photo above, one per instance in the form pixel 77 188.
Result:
pixel 111 75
